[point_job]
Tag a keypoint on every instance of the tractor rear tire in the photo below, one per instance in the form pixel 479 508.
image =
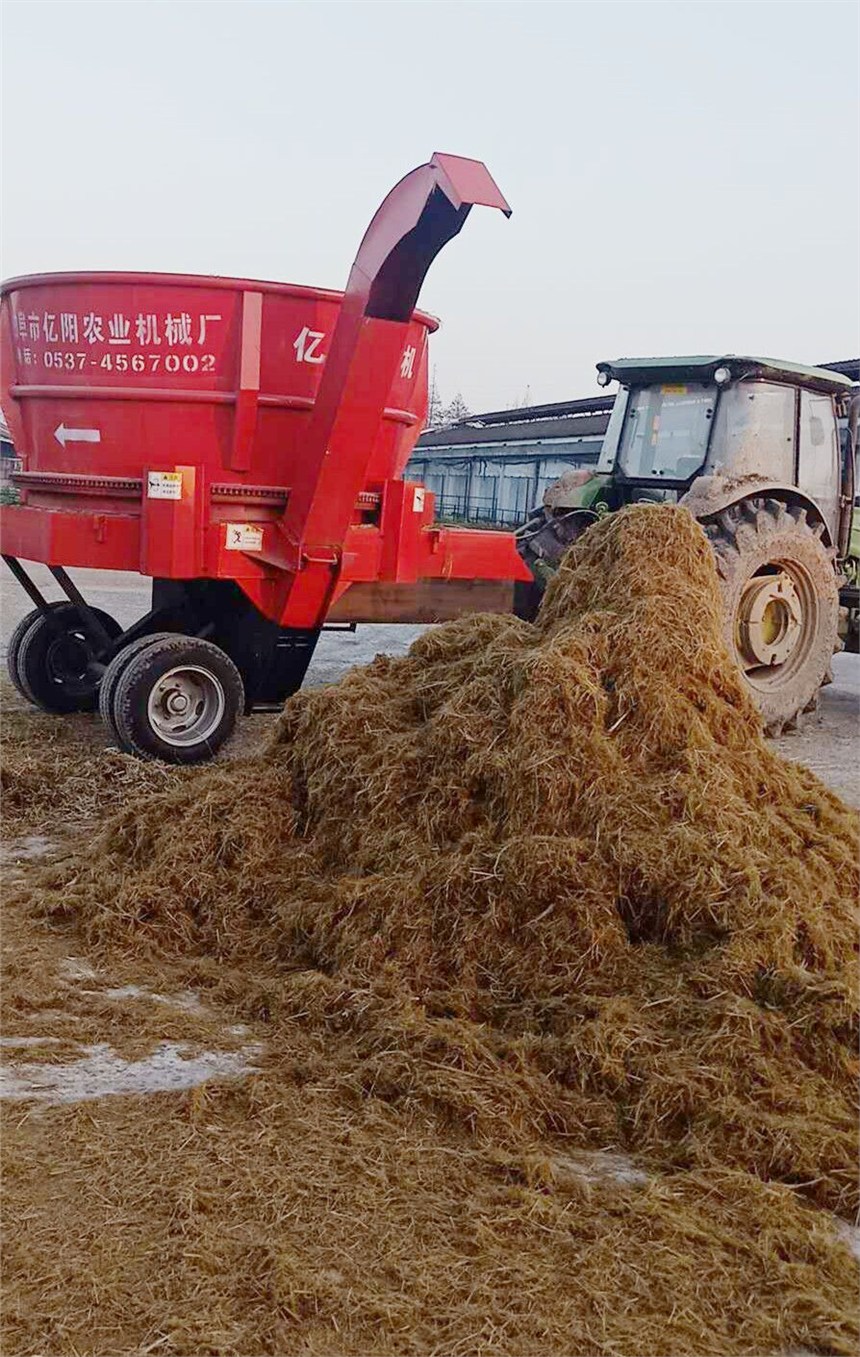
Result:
pixel 176 699
pixel 55 662
pixel 781 605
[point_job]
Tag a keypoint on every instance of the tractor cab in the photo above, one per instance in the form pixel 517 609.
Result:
pixel 732 418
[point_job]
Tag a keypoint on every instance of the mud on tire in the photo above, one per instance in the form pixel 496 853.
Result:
pixel 781 604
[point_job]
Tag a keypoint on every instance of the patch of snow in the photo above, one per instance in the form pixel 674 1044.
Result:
pixel 74 968
pixel 122 992
pixel 850 1234
pixel 15 1042
pixel 598 1166
pixel 26 848
pixel 186 1000
pixel 101 1073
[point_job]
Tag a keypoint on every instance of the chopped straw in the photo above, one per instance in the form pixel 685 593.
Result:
pixel 532 892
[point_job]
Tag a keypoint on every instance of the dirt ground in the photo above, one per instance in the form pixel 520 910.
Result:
pixel 829 744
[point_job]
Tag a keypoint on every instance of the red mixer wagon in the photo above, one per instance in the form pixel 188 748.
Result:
pixel 243 444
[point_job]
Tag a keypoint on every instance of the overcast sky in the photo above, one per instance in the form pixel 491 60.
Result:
pixel 684 176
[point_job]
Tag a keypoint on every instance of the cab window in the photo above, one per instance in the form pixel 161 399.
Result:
pixel 666 430
pixel 754 433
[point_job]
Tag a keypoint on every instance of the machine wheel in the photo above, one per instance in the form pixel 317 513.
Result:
pixel 782 605
pixel 55 663
pixel 177 699
pixel 112 674
pixel 14 647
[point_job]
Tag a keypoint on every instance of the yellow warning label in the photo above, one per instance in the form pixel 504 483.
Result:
pixel 244 537
pixel 164 485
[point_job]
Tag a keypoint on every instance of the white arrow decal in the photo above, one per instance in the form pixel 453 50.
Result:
pixel 64 435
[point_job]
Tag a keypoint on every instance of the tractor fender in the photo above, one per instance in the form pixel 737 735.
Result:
pixel 710 495
pixel 576 489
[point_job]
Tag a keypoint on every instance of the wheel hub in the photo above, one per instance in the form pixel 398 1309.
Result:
pixel 186 705
pixel 770 620
pixel 69 658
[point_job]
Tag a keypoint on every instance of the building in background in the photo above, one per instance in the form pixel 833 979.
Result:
pixel 494 468
pixel 10 462
pixel 6 449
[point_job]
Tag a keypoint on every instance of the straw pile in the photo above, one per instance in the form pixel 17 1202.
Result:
pixel 278 1217
pixel 56 771
pixel 545 889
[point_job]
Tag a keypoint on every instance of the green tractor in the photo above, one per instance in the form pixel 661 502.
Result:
pixel 763 454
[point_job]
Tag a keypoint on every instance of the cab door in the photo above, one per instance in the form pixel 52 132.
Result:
pixel 818 455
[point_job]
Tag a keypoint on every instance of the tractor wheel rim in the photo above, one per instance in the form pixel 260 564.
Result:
pixel 186 705
pixel 775 623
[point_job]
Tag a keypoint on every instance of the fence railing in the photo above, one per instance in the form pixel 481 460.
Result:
pixel 481 513
pixel 8 467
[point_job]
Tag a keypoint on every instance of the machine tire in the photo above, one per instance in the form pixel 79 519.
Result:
pixel 55 660
pixel 14 647
pixel 112 675
pixel 176 699
pixel 781 598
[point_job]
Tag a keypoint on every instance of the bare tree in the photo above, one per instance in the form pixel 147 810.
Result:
pixel 435 408
pixel 455 412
